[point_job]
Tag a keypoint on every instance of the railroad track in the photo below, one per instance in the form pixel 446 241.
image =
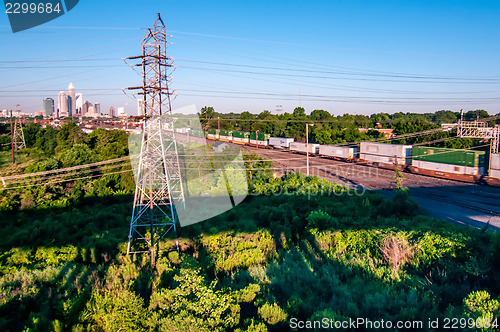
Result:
pixel 436 189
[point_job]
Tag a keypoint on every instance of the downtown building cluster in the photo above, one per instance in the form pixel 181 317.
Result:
pixel 71 104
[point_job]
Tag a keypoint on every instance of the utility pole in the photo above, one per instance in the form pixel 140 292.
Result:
pixel 307 146
pixel 12 139
pixel 159 194
pixel 218 124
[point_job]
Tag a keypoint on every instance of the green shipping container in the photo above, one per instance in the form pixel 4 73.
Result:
pixel 241 134
pixel 260 136
pixel 468 158
pixel 197 133
pixel 225 132
pixel 212 131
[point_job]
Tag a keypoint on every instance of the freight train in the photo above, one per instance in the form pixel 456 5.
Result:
pixel 454 164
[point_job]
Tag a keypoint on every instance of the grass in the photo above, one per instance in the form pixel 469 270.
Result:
pixel 23 160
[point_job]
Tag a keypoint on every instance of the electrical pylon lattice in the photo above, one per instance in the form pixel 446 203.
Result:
pixel 19 142
pixel 159 189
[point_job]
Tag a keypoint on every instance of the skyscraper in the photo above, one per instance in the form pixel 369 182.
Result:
pixel 48 106
pixel 85 108
pixel 98 108
pixel 71 93
pixel 112 112
pixel 79 103
pixel 70 105
pixel 140 107
pixel 121 112
pixel 62 104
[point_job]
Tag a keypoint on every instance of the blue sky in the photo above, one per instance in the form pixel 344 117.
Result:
pixel 341 56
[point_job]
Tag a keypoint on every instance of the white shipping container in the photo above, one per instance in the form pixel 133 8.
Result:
pixel 386 153
pixel 227 138
pixel 263 143
pixel 446 168
pixel 495 173
pixel 240 139
pixel 337 151
pixel 280 142
pixel 495 161
pixel 302 147
pixel 213 136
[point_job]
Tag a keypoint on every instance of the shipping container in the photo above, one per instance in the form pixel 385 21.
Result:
pixel 446 168
pixel 241 134
pixel 459 157
pixel 386 153
pixel 280 142
pixel 213 136
pixel 197 133
pixel 495 173
pixel 260 136
pixel 495 161
pixel 240 140
pixel 257 142
pixel 343 152
pixel 225 132
pixel 212 131
pixel 302 147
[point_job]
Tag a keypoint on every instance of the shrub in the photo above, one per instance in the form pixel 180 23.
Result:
pixel 272 313
pixel 396 251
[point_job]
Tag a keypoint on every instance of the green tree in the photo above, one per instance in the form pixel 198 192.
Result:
pixel 206 114
pixel 69 134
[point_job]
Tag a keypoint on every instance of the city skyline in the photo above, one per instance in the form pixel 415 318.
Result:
pixel 357 57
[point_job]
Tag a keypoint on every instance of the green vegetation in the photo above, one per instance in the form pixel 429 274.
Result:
pixel 331 129
pixel 297 247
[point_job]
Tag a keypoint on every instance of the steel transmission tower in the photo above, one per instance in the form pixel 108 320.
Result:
pixel 159 189
pixel 480 129
pixel 19 142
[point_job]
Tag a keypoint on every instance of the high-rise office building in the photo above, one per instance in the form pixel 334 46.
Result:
pixel 71 93
pixel 121 112
pixel 48 106
pixel 62 104
pixel 98 108
pixel 79 103
pixel 140 107
pixel 85 108
pixel 112 112
pixel 70 105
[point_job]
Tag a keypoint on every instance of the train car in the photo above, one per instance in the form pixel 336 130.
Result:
pixel 182 130
pixel 495 166
pixel 226 135
pixel 455 164
pixel 280 142
pixel 259 139
pixel 241 137
pixel 213 134
pixel 385 155
pixel 196 133
pixel 338 152
pixel 299 147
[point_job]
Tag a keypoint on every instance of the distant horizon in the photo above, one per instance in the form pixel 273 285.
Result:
pixel 346 57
